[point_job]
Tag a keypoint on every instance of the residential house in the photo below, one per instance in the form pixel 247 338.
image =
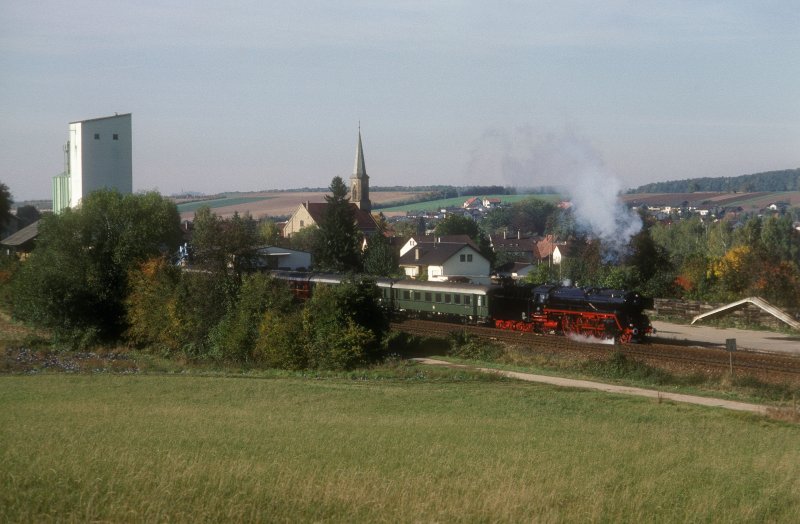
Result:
pixel 443 259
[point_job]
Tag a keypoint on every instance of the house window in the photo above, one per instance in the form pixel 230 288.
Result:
pixel 302 223
pixel 115 136
pixel 469 258
pixel 462 258
pixel 97 136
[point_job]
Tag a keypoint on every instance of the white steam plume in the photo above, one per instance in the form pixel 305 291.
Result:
pixel 524 158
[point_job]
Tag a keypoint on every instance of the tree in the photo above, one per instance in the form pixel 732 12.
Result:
pixel 380 258
pixel 5 204
pixel 234 337
pixel 269 233
pixel 305 239
pixel 338 246
pixel 76 279
pixel 344 325
pixel 27 215
pixel 218 243
pixel 461 225
pixel 455 224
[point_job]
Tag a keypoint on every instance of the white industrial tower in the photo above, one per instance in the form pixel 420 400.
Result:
pixel 98 155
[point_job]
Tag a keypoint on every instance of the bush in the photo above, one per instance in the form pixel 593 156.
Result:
pixel 281 341
pixel 234 337
pixel 344 325
pixel 465 345
pixel 174 311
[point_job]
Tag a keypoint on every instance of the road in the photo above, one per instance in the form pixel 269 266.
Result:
pixel 745 339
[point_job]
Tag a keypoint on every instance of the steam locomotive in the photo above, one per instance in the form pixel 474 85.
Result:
pixel 547 309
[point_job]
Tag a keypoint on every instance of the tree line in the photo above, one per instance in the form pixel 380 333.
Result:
pixel 769 181
pixel 105 273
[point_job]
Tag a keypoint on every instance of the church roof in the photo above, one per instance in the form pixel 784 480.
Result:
pixel 363 218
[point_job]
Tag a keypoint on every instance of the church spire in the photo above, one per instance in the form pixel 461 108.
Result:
pixel 359 181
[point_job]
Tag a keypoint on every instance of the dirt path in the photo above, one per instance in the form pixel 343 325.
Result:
pixel 609 388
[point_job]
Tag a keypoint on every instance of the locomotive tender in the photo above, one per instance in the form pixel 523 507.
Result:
pixel 548 309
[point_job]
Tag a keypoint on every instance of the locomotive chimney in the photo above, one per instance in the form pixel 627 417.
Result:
pixel 519 234
pixel 416 253
pixel 504 234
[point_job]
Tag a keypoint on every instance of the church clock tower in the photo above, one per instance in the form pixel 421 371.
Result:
pixel 359 181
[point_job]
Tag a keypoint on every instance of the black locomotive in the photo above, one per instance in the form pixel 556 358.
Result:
pixel 592 312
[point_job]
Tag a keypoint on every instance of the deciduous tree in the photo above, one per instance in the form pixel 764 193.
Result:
pixel 76 279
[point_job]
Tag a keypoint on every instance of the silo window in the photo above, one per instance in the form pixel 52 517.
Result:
pixel 115 136
pixel 97 136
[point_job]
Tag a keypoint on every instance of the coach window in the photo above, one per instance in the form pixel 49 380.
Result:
pixel 480 301
pixel 467 299
pixel 457 299
pixel 438 297
pixel 428 297
pixel 417 296
pixel 447 298
pixel 406 294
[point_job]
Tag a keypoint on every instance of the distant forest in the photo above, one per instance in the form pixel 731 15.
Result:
pixel 785 180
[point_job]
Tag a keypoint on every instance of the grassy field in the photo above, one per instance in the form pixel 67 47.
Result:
pixel 219 202
pixel 435 205
pixel 171 447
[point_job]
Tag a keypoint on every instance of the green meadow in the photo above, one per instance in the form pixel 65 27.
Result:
pixel 219 202
pixel 436 205
pixel 427 446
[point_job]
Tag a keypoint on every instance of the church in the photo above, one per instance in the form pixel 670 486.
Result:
pixel 310 213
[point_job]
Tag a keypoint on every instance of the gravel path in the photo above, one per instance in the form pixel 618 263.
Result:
pixel 745 339
pixel 609 388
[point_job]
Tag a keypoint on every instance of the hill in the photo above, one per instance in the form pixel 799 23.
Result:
pixel 769 181
pixel 275 203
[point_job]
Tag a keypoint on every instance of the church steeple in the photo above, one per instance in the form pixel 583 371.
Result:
pixel 359 181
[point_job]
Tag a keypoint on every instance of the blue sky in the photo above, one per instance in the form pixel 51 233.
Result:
pixel 251 95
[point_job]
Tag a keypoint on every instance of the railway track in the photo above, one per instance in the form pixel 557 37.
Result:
pixel 657 352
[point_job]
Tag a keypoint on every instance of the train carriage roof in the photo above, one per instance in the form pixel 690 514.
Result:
pixel 446 287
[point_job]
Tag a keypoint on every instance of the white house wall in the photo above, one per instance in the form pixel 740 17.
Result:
pixel 477 270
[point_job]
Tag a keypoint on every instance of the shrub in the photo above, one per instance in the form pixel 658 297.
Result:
pixel 281 341
pixel 234 337
pixel 465 345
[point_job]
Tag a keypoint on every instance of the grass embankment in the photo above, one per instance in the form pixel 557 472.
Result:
pixel 112 448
